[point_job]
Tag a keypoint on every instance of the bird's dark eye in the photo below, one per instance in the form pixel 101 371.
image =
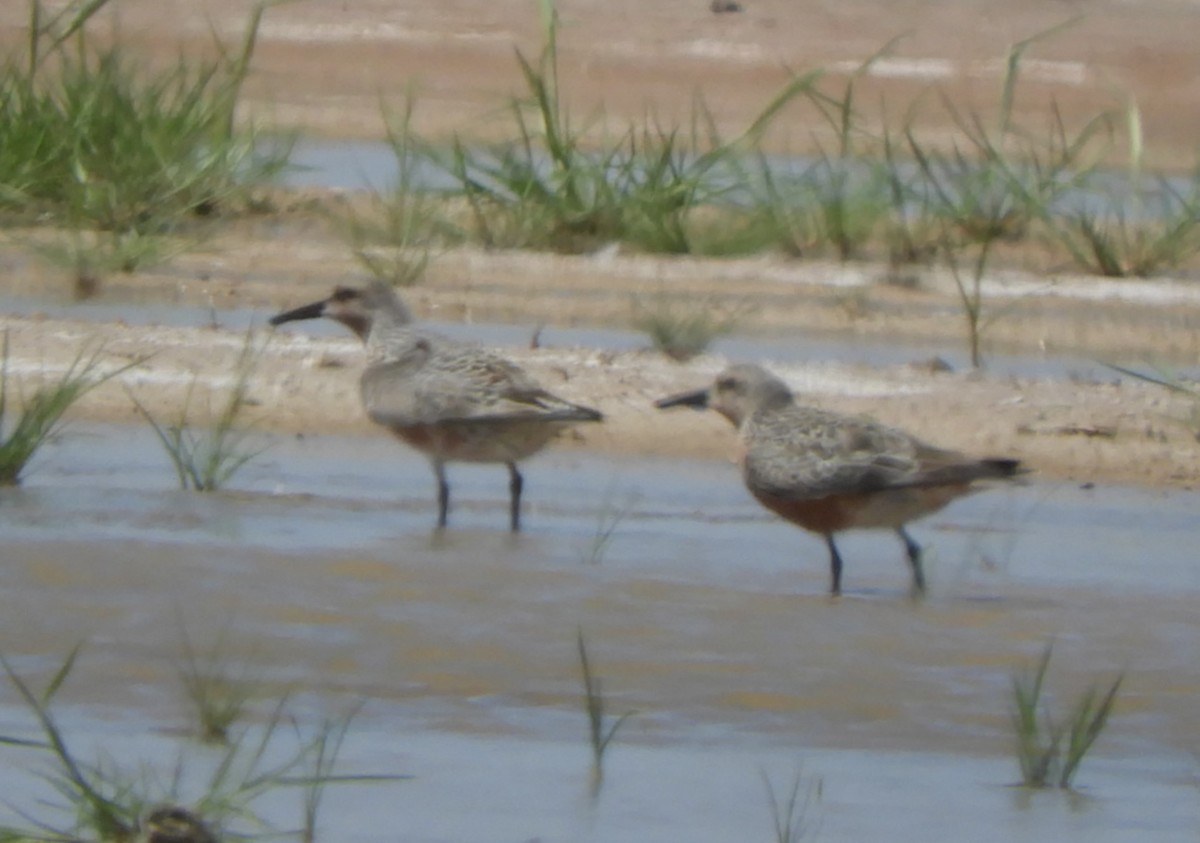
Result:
pixel 345 294
pixel 726 384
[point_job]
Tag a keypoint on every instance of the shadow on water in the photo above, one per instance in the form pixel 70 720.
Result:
pixel 703 615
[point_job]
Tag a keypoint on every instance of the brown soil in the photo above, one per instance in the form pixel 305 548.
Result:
pixel 324 67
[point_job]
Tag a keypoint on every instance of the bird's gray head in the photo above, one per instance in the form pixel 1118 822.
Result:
pixel 737 392
pixel 358 308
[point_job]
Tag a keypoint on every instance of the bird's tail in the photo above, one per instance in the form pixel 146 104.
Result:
pixel 568 412
pixel 956 473
pixel 1002 467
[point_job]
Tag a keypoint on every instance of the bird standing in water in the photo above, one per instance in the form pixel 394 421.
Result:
pixel 828 472
pixel 453 401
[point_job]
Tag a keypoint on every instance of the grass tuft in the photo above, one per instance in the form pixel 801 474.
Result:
pixel 573 186
pixel 791 817
pixel 217 697
pixel 100 804
pixel 600 730
pixel 95 141
pixel 682 329
pixel 990 190
pixel 40 417
pixel 1049 751
pixel 104 801
pixel 1122 227
pixel 391 238
pixel 206 461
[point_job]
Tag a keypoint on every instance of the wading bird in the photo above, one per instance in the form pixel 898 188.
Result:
pixel 828 472
pixel 453 401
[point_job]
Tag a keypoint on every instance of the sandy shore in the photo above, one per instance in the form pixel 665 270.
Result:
pixel 1121 430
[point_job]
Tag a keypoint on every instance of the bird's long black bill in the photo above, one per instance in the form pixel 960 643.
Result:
pixel 309 311
pixel 696 398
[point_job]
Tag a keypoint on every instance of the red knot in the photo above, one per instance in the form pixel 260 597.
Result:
pixel 453 401
pixel 828 472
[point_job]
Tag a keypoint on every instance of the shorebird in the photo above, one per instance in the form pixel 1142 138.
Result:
pixel 828 472
pixel 453 401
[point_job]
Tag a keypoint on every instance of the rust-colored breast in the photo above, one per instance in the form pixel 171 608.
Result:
pixel 883 508
pixel 822 515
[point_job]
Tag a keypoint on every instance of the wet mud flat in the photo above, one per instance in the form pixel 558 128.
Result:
pixel 705 617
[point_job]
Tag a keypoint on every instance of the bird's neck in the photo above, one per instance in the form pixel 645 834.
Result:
pixel 386 335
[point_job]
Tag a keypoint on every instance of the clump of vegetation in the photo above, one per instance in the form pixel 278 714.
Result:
pixel 391 238
pixel 846 196
pixel 791 816
pixel 1122 227
pixel 41 416
pixel 115 153
pixel 573 187
pixel 871 192
pixel 101 802
pixel 207 459
pixel 600 730
pixel 874 190
pixel 1049 751
pixel 548 189
pixel 106 801
pixel 218 698
pixel 682 329
pixel 994 190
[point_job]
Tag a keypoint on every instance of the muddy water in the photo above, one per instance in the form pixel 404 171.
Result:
pixel 705 617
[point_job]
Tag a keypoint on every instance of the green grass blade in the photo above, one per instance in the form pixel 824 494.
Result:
pixel 1087 722
pixel 78 21
pixel 798 86
pixel 105 814
pixel 1008 92
pixel 60 675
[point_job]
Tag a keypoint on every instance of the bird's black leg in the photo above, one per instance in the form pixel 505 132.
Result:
pixel 439 469
pixel 835 566
pixel 914 561
pixel 515 484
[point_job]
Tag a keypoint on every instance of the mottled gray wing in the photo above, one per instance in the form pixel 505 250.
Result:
pixel 456 383
pixel 807 454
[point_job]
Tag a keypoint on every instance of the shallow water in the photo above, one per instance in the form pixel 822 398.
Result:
pixel 372 165
pixel 703 615
pixel 783 349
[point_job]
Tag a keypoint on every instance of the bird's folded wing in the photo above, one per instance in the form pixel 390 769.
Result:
pixel 398 396
pixel 811 477
pixel 847 456
pixel 814 472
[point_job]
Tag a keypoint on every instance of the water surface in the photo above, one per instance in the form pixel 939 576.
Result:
pixel 704 616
